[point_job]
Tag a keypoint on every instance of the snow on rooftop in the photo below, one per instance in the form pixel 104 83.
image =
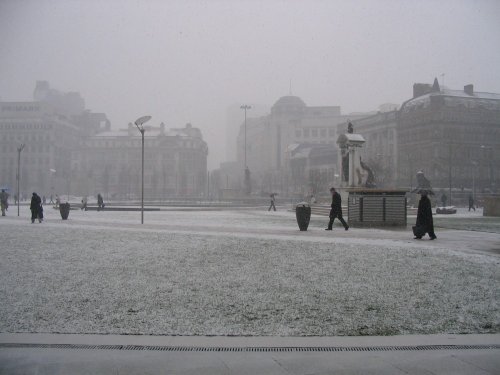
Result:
pixel 453 98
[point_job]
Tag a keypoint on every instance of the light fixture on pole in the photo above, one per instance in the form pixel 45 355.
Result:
pixel 139 123
pixel 19 149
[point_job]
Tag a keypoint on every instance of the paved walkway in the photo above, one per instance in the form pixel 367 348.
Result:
pixel 413 354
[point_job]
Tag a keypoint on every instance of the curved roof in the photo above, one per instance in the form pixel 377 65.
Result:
pixel 289 101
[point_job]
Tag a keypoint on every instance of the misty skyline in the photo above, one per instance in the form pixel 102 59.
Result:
pixel 188 61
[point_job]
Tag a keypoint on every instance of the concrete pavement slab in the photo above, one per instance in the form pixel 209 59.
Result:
pixel 62 361
pixel 357 358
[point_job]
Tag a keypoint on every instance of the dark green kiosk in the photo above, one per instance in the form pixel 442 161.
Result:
pixel 376 207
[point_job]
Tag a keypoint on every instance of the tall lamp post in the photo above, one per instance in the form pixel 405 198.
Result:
pixel 19 149
pixel 246 107
pixel 139 123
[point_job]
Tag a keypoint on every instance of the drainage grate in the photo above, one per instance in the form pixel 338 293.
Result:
pixel 250 348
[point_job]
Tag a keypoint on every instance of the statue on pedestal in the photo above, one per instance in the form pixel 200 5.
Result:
pixel 369 178
pixel 352 170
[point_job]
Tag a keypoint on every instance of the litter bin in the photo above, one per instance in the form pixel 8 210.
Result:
pixel 303 215
pixel 64 210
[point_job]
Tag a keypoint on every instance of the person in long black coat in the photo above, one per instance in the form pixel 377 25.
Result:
pixel 100 202
pixel 273 198
pixel 336 211
pixel 425 224
pixel 471 202
pixel 36 209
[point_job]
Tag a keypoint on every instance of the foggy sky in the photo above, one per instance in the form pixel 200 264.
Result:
pixel 187 61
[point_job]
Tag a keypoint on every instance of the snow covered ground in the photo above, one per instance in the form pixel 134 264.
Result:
pixel 241 273
pixel 465 220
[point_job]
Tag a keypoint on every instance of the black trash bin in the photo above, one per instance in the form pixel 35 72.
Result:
pixel 303 215
pixel 64 210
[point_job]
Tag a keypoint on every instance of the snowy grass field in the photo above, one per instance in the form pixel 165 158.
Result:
pixel 241 273
pixel 465 220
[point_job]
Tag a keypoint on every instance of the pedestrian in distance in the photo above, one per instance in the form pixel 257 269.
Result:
pixel 100 202
pixel 424 224
pixel 51 199
pixel 58 201
pixel 336 211
pixel 471 203
pixel 4 201
pixel 444 199
pixel 273 199
pixel 40 212
pixel 84 203
pixel 44 200
pixel 36 208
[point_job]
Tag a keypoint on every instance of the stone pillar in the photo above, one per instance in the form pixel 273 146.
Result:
pixel 350 142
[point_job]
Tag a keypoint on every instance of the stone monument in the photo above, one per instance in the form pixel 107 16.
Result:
pixel 367 205
pixel 349 144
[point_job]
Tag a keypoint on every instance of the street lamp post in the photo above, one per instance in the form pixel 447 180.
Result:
pixel 139 123
pixel 19 149
pixel 449 170
pixel 246 107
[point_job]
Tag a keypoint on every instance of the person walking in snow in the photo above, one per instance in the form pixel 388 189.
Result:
pixel 84 203
pixel 424 224
pixel 4 201
pixel 100 202
pixel 36 208
pixel 336 211
pixel 272 195
pixel 444 198
pixel 471 202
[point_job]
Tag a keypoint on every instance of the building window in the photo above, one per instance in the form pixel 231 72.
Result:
pixel 314 132
pixel 331 132
pixel 323 133
pixel 298 133
pixel 306 133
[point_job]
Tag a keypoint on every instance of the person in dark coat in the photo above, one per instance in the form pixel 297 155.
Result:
pixel 4 201
pixel 425 224
pixel 84 203
pixel 100 202
pixel 336 211
pixel 273 195
pixel 471 203
pixel 36 208
pixel 444 199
